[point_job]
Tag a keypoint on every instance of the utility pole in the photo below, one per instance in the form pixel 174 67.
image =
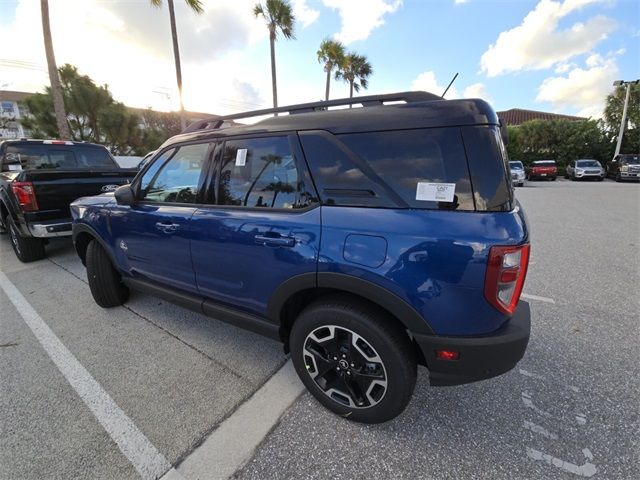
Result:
pixel 623 123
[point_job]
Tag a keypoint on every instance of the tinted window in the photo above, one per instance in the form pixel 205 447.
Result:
pixel 409 159
pixel 41 156
pixel 175 180
pixel 488 166
pixel 260 172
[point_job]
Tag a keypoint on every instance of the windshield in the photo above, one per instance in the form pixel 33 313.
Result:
pixel 67 157
pixel 516 165
pixel 544 163
pixel 630 159
pixel 588 163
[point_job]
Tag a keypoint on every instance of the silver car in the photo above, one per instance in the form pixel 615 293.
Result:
pixel 517 173
pixel 584 169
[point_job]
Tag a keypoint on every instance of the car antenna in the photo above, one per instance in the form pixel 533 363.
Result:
pixel 450 83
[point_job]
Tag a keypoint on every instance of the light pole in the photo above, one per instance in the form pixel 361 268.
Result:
pixel 623 123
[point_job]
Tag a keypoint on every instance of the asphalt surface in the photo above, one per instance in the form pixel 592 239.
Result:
pixel 569 410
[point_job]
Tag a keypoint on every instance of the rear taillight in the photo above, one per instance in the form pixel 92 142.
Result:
pixel 505 275
pixel 26 196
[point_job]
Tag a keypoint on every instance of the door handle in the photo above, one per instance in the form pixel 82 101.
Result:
pixel 278 241
pixel 167 227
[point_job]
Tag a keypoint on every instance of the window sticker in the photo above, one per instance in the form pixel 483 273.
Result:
pixel 241 157
pixel 435 192
pixel 15 167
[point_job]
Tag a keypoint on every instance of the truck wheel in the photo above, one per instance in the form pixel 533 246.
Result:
pixel 104 280
pixel 353 360
pixel 27 249
pixel 618 177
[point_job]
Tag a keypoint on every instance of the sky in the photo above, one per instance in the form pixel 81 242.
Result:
pixel 551 55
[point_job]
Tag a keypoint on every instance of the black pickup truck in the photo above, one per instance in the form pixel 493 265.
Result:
pixel 38 181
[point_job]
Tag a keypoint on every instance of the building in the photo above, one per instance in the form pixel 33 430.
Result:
pixel 517 116
pixel 11 113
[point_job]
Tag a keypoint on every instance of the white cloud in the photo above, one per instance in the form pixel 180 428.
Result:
pixel 538 43
pixel 303 13
pixel 360 17
pixel 128 47
pixel 460 2
pixel 427 82
pixel 582 89
pixel 477 90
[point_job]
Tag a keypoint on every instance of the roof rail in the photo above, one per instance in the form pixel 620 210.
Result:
pixel 215 122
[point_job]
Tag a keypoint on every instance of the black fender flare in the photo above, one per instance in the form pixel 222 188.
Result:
pixel 79 228
pixel 374 293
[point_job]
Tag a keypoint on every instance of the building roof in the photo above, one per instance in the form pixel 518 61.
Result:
pixel 517 116
pixel 12 96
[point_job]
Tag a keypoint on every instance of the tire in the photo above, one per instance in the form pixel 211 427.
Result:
pixel 600 179
pixel 348 334
pixel 104 280
pixel 27 249
pixel 618 177
pixel 553 179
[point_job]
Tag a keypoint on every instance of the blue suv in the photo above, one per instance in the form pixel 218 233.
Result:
pixel 367 240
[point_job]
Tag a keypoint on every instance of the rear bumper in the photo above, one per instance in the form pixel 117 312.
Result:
pixel 54 228
pixel 480 357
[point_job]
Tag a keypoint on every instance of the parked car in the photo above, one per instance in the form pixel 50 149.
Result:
pixel 517 172
pixel 625 166
pixel 542 170
pixel 366 240
pixel 38 181
pixel 584 169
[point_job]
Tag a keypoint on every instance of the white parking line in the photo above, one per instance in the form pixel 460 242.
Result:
pixel 232 444
pixel 536 297
pixel 145 457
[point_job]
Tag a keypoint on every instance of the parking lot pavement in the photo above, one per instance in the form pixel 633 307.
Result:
pixel 175 374
pixel 569 410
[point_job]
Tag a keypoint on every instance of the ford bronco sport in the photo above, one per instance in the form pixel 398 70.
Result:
pixel 367 240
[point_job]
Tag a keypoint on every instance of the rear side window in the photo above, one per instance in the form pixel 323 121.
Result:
pixel 41 156
pixel 261 173
pixel 408 160
pixel 176 180
pixel 487 159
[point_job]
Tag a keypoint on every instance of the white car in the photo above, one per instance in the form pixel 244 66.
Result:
pixel 517 172
pixel 584 169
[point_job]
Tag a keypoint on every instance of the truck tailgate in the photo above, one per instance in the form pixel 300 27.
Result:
pixel 56 189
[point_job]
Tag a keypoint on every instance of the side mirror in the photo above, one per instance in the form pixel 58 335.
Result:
pixel 124 195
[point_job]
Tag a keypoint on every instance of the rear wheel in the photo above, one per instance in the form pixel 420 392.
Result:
pixel 353 360
pixel 104 280
pixel 27 249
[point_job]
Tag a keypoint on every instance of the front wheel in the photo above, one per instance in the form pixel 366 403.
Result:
pixel 355 361
pixel 618 177
pixel 104 280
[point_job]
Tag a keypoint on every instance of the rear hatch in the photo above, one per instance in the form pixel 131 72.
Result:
pixel 547 168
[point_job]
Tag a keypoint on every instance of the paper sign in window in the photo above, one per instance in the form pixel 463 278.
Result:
pixel 435 192
pixel 241 157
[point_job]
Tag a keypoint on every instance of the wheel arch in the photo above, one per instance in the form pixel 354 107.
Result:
pixel 82 236
pixel 296 293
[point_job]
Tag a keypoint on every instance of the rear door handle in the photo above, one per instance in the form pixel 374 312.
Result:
pixel 167 227
pixel 279 241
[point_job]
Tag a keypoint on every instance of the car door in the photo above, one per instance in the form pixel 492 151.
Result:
pixel 262 226
pixel 152 237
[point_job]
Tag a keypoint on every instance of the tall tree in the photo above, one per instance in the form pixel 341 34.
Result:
pixel 279 17
pixel 196 6
pixel 355 70
pixel 56 88
pixel 331 55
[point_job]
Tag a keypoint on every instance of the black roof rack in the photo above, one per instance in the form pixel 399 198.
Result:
pixel 212 123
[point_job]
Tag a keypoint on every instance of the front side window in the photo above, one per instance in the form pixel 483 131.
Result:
pixel 260 172
pixel 177 179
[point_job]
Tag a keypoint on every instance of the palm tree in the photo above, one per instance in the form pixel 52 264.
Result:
pixel 355 69
pixel 331 54
pixel 196 6
pixel 279 17
pixel 54 79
